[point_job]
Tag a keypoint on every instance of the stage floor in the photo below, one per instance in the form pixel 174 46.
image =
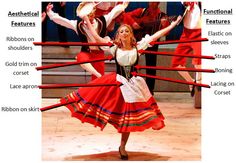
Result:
pixel 66 138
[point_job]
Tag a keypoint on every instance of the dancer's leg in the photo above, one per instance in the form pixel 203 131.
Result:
pixel 124 139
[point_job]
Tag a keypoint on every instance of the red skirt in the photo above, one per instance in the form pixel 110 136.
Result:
pixel 102 105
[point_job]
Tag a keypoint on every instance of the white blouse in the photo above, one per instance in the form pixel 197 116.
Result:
pixel 192 19
pixel 129 57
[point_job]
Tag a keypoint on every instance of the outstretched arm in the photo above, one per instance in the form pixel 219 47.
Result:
pixel 164 31
pixel 71 24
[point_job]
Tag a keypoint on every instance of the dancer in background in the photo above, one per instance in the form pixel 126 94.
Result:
pixel 99 24
pixel 192 30
pixel 130 107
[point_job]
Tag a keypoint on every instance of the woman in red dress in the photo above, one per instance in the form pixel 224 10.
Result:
pixel 130 107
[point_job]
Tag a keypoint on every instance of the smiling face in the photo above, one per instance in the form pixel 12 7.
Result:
pixel 124 33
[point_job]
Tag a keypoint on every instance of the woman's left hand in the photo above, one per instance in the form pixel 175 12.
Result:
pixel 177 21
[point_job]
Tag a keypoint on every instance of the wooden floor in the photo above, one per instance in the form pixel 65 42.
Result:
pixel 66 138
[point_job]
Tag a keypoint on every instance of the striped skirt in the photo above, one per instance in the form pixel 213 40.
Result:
pixel 129 108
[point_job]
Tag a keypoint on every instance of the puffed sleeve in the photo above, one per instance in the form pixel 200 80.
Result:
pixel 109 50
pixel 116 11
pixel 144 43
pixel 113 50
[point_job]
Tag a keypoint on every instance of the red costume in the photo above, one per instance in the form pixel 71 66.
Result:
pixel 129 108
pixel 192 30
pixel 188 48
pixel 100 24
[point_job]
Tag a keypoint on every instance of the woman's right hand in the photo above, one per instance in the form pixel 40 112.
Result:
pixel 49 7
pixel 135 26
pixel 43 16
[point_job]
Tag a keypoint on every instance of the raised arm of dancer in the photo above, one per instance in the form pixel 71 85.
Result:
pixel 164 31
pixel 71 24
pixel 93 32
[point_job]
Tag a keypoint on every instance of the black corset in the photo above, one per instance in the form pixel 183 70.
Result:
pixel 125 71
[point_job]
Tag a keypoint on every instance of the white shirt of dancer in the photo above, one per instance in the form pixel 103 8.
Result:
pixel 192 19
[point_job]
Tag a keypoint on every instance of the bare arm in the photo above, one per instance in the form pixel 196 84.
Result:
pixel 93 32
